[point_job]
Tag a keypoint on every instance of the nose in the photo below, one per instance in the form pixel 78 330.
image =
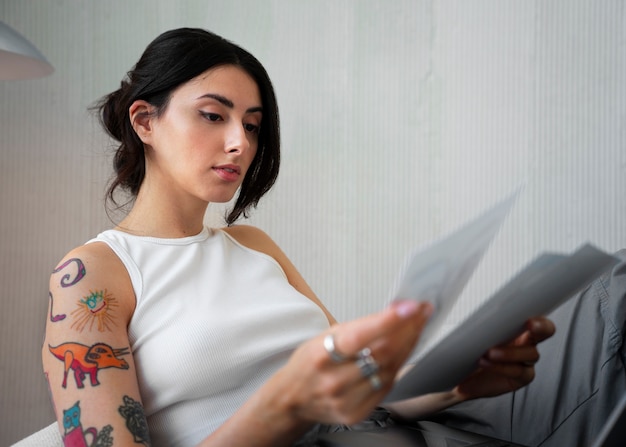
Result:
pixel 236 139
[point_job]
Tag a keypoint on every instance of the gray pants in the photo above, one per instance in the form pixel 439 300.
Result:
pixel 580 377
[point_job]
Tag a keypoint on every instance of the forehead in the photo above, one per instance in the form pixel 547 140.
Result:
pixel 230 81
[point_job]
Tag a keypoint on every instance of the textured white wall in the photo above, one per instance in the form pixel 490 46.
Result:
pixel 400 121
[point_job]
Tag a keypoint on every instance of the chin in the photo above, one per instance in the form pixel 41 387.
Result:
pixel 222 198
pixel 220 194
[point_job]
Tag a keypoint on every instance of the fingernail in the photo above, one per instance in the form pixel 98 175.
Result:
pixel 406 308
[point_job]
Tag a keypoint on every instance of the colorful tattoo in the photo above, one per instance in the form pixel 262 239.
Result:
pixel 74 434
pixel 88 360
pixel 96 307
pixel 133 413
pixel 54 318
pixel 67 277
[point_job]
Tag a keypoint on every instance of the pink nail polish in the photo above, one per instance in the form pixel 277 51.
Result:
pixel 406 308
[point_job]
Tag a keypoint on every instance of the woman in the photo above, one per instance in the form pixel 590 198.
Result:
pixel 170 333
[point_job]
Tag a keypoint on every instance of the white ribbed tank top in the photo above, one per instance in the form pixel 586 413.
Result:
pixel 214 320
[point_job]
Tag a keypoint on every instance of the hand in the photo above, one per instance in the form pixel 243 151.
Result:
pixel 507 367
pixel 313 387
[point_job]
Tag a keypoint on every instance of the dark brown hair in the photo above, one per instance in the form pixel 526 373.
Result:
pixel 170 60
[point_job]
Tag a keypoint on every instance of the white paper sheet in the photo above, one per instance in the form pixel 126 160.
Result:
pixel 538 289
pixel 439 271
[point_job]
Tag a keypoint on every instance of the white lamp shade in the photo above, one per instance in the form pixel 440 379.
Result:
pixel 19 59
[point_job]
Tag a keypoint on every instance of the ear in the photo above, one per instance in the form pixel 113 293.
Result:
pixel 141 113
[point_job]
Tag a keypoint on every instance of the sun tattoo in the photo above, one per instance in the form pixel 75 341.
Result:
pixel 96 307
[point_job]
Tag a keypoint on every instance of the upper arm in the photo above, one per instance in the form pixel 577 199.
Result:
pixel 256 239
pixel 86 352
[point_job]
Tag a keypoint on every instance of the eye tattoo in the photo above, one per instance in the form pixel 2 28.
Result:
pixel 96 307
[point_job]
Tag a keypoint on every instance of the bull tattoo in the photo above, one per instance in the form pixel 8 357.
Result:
pixel 88 360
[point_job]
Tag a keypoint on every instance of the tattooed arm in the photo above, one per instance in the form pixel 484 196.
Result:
pixel 86 353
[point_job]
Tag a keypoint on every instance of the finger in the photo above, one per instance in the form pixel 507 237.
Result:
pixel 496 379
pixel 512 371
pixel 393 349
pixel 355 405
pixel 344 392
pixel 540 328
pixel 407 315
pixel 357 396
pixel 528 354
pixel 392 339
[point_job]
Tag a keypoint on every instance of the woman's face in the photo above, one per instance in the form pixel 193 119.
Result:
pixel 203 144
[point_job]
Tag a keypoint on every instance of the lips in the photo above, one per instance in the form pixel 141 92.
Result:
pixel 228 172
pixel 229 168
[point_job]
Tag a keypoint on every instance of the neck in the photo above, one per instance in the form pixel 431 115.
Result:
pixel 157 218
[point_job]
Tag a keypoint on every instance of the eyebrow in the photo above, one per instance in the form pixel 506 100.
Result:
pixel 228 103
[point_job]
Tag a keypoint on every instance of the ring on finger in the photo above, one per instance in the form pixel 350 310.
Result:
pixel 375 382
pixel 366 363
pixel 329 345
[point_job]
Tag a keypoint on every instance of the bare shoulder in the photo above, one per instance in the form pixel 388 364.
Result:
pixel 94 273
pixel 254 238
pixel 91 261
pixel 86 353
pixel 94 252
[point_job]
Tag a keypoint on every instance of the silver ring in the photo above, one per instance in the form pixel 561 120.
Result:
pixel 375 381
pixel 329 345
pixel 367 364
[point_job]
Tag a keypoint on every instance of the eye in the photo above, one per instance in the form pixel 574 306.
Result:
pixel 252 128
pixel 211 116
